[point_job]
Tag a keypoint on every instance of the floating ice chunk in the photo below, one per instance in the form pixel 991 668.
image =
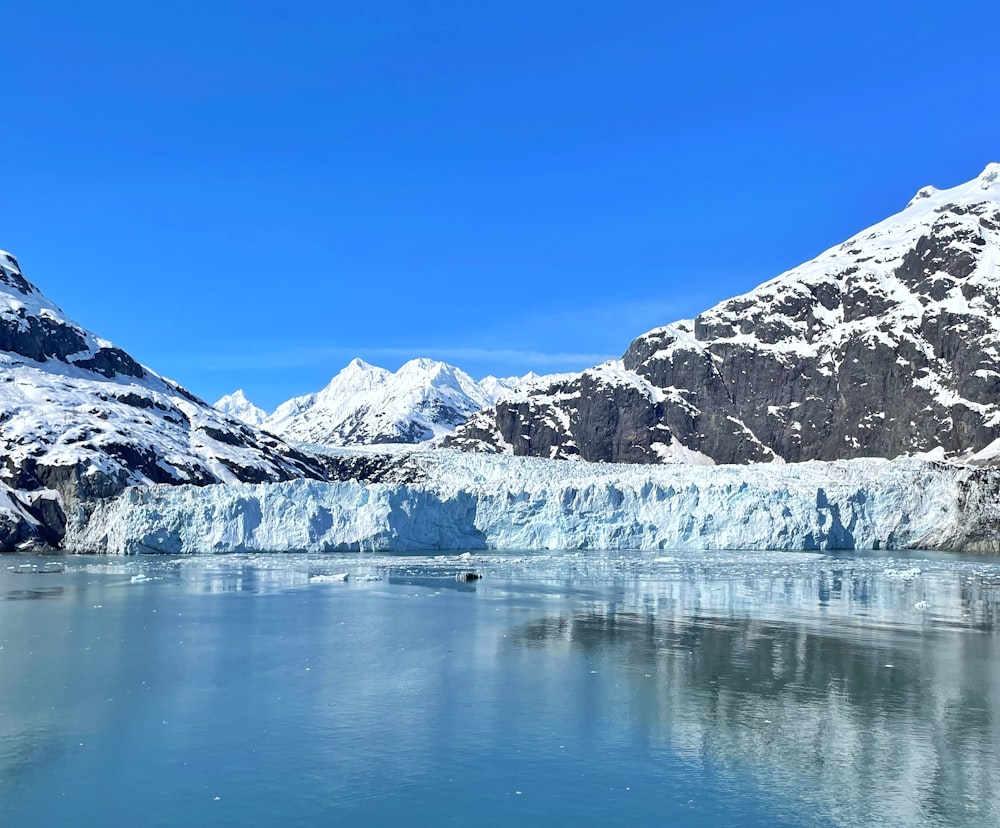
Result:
pixel 328 579
pixel 903 574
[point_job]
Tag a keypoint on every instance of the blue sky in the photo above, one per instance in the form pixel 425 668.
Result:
pixel 252 193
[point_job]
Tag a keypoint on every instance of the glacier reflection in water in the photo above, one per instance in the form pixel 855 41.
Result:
pixel 635 688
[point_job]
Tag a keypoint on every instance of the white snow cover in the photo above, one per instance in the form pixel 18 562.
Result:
pixel 59 413
pixel 237 405
pixel 64 416
pixel 498 388
pixel 476 501
pixel 364 404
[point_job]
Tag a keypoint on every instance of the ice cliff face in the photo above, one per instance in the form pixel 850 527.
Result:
pixel 458 501
pixel 366 405
pixel 81 418
pixel 886 345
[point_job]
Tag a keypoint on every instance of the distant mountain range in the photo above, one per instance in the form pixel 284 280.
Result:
pixel 885 345
pixel 368 405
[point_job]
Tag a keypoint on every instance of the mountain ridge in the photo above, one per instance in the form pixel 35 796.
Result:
pixel 884 345
pixel 81 419
pixel 364 404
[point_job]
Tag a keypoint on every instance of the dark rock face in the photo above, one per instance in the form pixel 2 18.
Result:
pixel 886 345
pixel 40 338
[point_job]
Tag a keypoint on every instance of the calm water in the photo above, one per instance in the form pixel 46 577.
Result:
pixel 721 689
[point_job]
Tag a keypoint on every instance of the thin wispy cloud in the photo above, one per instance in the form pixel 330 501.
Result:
pixel 301 357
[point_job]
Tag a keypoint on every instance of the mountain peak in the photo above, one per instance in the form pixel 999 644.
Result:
pixel 237 405
pixel 423 364
pixel 432 371
pixel 884 345
pixel 10 275
pixel 990 177
pixel 9 261
pixel 923 193
pixel 356 374
pixel 358 364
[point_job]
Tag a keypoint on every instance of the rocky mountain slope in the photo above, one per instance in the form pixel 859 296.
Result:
pixel 885 345
pixel 81 419
pixel 365 405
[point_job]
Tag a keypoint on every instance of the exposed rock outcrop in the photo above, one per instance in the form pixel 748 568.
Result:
pixel 886 345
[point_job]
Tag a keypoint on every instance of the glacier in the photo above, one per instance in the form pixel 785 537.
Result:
pixel 453 500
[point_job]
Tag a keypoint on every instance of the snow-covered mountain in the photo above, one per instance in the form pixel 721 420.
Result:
pixel 364 404
pixel 82 419
pixel 499 388
pixel 885 345
pixel 237 405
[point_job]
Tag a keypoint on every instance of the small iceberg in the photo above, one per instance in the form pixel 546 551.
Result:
pixel 903 574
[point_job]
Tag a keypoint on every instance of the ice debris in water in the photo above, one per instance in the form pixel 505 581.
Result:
pixel 903 574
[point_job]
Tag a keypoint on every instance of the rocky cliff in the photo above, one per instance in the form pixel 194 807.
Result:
pixel 885 345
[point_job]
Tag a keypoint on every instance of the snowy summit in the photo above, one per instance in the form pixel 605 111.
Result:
pixel 365 404
pixel 237 405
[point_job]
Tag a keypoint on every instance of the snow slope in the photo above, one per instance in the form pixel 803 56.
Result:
pixel 470 501
pixel 83 418
pixel 885 345
pixel 364 404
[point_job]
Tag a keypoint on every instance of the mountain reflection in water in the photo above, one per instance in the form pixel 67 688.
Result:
pixel 598 688
pixel 897 725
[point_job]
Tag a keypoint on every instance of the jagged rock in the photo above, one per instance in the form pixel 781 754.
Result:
pixel 468 576
pixel 886 345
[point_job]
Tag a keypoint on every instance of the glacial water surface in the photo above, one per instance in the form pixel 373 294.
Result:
pixel 718 689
